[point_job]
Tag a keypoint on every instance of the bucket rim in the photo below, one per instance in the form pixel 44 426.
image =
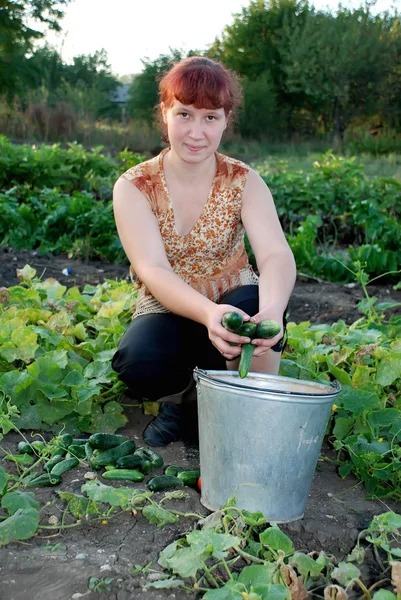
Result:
pixel 334 385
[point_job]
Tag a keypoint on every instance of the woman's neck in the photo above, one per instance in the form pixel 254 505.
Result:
pixel 188 172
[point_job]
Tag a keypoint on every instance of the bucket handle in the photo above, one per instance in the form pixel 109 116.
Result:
pixel 334 385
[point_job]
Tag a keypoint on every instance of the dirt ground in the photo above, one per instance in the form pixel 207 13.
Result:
pixel 336 512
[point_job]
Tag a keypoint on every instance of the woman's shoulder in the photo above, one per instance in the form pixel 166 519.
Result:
pixel 143 171
pixel 232 169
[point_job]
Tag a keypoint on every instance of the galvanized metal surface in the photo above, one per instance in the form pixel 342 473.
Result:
pixel 260 439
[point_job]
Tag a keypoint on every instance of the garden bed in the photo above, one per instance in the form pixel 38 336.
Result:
pixel 60 565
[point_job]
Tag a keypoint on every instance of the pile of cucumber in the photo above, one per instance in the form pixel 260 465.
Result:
pixel 114 453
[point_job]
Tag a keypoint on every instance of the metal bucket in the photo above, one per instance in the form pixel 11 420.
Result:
pixel 259 439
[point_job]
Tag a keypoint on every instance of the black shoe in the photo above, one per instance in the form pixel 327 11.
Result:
pixel 166 427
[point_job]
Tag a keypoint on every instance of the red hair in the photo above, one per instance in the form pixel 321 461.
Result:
pixel 201 82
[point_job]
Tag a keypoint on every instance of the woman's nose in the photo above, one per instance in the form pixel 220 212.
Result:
pixel 196 130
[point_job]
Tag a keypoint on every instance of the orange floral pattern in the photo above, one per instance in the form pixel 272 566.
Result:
pixel 212 257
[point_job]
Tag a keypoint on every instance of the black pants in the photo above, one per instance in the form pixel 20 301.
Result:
pixel 158 352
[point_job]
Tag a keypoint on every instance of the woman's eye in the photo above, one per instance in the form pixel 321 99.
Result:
pixel 183 114
pixel 211 118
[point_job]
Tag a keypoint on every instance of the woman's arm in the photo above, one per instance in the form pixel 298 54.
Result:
pixel 274 257
pixel 140 236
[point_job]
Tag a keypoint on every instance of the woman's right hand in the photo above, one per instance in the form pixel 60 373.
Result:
pixel 219 336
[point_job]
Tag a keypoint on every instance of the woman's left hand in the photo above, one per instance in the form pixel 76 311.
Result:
pixel 263 345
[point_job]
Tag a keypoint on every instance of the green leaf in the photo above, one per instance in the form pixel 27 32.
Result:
pixel 340 374
pixel 166 554
pixel 26 274
pixel 389 369
pixel 345 573
pixel 231 591
pixel 165 584
pixel 16 500
pixel 79 506
pixel 277 540
pixel 343 427
pixel 358 401
pixel 3 481
pixel 98 492
pixel 22 345
pixel 345 469
pixel 305 564
pixel 277 591
pixel 253 519
pixel 74 378
pixel 383 418
pixel 20 526
pixel 200 540
pixel 109 419
pixel 156 515
pixel 255 575
pixel 384 595
pixel 186 562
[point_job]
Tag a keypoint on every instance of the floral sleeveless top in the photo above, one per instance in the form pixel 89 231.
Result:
pixel 211 257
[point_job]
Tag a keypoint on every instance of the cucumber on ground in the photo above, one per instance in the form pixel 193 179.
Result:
pixel 130 461
pixel 232 321
pixel 189 477
pixel 57 458
pixel 267 329
pixel 172 470
pixel 65 465
pixel 123 475
pixel 77 451
pixel 24 448
pixel 150 455
pixel 247 351
pixel 164 482
pixel 45 480
pixel 66 439
pixel 104 441
pixel 109 457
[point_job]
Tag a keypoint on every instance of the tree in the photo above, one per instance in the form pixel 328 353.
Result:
pixel 17 37
pixel 336 63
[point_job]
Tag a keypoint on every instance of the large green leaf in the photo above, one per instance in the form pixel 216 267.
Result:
pixel 16 500
pixel 200 540
pixel 98 492
pixel 20 526
pixel 305 564
pixel 277 540
pixel 358 401
pixel 186 562
pixel 156 515
pixel 389 369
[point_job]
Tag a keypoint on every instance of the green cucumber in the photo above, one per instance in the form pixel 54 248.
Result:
pixel 45 480
pixel 79 441
pixel 76 451
pixel 24 448
pixel 109 457
pixel 267 329
pixel 65 465
pixel 247 351
pixel 66 439
pixel 189 477
pixel 232 321
pixel 57 458
pixel 247 329
pixel 172 470
pixel 104 441
pixel 150 455
pixel 164 482
pixel 130 461
pixel 123 475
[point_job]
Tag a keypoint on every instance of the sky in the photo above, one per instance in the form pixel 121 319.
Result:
pixel 133 29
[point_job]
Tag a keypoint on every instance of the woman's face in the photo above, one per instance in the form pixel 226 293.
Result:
pixel 194 133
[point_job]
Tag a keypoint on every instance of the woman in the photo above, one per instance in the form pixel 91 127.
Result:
pixel 181 218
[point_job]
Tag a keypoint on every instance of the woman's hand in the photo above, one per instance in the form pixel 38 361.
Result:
pixel 219 336
pixel 263 345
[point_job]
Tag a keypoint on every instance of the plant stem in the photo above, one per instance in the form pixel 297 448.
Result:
pixel 249 557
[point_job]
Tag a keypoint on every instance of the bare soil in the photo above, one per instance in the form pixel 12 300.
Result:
pixel 336 512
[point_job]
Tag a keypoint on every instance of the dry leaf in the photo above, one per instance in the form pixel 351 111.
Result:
pixel 294 583
pixel 90 475
pixel 335 592
pixel 53 520
pixel 396 575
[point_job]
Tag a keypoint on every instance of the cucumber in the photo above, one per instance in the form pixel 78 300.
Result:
pixel 76 451
pixel 189 477
pixel 232 321
pixel 150 455
pixel 247 329
pixel 172 470
pixel 123 475
pixel 109 457
pixel 24 448
pixel 63 466
pixel 247 351
pixel 164 482
pixel 57 458
pixel 104 441
pixel 267 329
pixel 45 480
pixel 130 461
pixel 66 440
pixel 79 441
